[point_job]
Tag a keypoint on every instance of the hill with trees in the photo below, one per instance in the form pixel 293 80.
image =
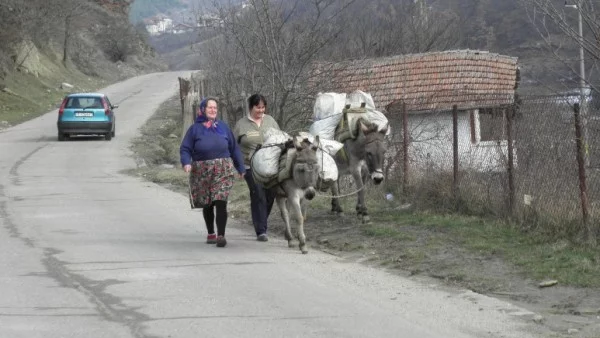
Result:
pixel 44 43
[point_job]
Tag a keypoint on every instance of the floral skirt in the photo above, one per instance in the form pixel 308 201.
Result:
pixel 211 181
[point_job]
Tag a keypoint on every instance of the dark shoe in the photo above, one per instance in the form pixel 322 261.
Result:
pixel 211 239
pixel 221 241
pixel 262 238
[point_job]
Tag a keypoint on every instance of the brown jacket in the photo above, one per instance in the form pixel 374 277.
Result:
pixel 249 134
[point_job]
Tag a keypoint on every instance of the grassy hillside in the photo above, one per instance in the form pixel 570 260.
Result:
pixel 35 65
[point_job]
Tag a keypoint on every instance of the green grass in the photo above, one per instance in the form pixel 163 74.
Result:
pixel 387 231
pixel 32 96
pixel 420 235
pixel 538 257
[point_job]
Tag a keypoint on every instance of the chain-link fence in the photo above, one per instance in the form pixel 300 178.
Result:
pixel 461 161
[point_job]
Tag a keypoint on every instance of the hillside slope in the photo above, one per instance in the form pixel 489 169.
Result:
pixel 81 46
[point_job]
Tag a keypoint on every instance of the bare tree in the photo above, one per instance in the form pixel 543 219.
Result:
pixel 274 44
pixel 558 27
pixel 385 28
pixel 68 11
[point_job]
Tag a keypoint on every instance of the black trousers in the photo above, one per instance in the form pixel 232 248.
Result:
pixel 261 203
pixel 221 217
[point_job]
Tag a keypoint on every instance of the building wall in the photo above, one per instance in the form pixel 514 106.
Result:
pixel 431 143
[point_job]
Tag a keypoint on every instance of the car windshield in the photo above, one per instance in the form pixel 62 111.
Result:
pixel 84 102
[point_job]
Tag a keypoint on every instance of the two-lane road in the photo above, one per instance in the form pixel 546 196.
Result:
pixel 88 252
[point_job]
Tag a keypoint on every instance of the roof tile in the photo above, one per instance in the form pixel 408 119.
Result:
pixel 431 81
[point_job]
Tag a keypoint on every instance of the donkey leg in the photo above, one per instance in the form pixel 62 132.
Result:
pixel 294 204
pixel 365 213
pixel 335 203
pixel 281 203
pixel 304 207
pixel 360 201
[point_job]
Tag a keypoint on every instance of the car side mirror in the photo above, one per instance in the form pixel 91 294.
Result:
pixel 115 106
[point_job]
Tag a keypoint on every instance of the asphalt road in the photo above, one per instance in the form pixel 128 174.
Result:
pixel 88 252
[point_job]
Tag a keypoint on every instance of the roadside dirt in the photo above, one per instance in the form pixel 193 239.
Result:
pixel 412 250
pixel 566 311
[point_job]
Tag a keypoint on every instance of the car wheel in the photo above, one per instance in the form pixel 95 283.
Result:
pixel 108 136
pixel 61 136
pixel 114 131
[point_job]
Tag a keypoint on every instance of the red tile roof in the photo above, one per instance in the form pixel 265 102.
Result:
pixel 431 81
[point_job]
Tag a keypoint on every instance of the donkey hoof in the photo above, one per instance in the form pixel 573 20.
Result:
pixel 304 251
pixel 366 219
pixel 290 244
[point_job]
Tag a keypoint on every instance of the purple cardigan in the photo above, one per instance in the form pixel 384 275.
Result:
pixel 201 143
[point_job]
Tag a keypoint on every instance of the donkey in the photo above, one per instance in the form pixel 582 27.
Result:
pixel 293 194
pixel 361 157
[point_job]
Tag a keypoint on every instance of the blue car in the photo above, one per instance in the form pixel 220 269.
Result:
pixel 86 114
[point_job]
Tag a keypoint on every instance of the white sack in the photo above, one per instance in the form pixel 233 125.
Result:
pixel 265 162
pixel 273 136
pixel 325 128
pixel 379 119
pixel 329 171
pixel 328 104
pixel 331 147
pixel 357 97
pixel 327 148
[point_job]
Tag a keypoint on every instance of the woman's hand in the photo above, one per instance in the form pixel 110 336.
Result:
pixel 241 176
pixel 187 168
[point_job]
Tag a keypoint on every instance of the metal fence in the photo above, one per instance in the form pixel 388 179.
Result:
pixel 535 162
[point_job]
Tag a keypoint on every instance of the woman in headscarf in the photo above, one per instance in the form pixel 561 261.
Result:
pixel 211 155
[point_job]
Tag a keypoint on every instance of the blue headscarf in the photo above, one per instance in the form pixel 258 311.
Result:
pixel 214 125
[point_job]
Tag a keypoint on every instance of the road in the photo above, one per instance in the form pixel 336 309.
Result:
pixel 88 252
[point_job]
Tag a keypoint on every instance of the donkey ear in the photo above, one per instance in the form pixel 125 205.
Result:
pixel 317 143
pixel 297 143
pixel 385 129
pixel 362 128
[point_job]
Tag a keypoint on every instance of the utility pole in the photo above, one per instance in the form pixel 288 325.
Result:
pixel 583 92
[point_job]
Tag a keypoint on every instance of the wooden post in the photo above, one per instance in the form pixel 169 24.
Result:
pixel 405 141
pixel 184 88
pixel 510 169
pixel 455 152
pixel 245 107
pixel 582 175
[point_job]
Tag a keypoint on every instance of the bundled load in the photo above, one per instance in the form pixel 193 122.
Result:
pixel 327 149
pixel 265 161
pixel 336 116
pixel 356 99
pixel 272 163
pixel 328 104
pixel 327 114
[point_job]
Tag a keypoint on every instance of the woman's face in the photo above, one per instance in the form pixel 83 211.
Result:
pixel 258 111
pixel 211 110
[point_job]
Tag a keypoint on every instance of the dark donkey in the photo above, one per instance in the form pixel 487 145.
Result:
pixel 361 157
pixel 294 192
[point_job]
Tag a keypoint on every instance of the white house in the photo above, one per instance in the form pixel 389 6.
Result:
pixel 481 85
pixel 159 24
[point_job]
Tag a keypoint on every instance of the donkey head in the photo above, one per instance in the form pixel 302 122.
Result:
pixel 305 171
pixel 374 148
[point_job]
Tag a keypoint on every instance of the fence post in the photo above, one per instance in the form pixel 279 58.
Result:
pixel 184 88
pixel 510 169
pixel 582 175
pixel 245 107
pixel 455 153
pixel 405 141
pixel 202 86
